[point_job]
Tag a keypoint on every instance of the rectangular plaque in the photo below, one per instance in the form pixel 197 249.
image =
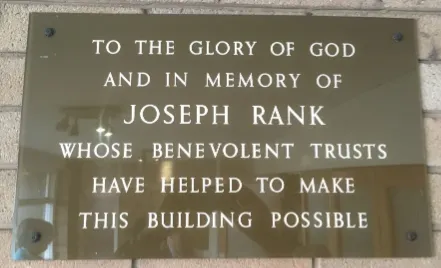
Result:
pixel 221 137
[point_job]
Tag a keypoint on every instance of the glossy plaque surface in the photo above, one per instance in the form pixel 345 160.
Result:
pixel 221 137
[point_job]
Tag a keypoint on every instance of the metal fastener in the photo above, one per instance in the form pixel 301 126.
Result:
pixel 36 236
pixel 398 37
pixel 412 236
pixel 49 32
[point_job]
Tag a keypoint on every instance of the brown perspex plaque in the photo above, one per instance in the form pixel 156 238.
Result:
pixel 203 136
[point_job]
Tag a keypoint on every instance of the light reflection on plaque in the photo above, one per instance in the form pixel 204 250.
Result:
pixel 372 139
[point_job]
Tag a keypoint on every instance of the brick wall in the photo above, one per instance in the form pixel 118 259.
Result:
pixel 13 33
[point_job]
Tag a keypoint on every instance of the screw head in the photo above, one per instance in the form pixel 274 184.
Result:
pixel 49 32
pixel 411 236
pixel 36 236
pixel 398 37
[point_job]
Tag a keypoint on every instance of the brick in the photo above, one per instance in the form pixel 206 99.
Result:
pixel 435 195
pixel 8 179
pixel 9 129
pixel 14 20
pixel 430 81
pixel 11 80
pixel 202 11
pixel 269 3
pixel 429 37
pixel 225 11
pixel 136 3
pixel 433 141
pixel 412 4
pixel 434 262
pixel 218 263
pixel 310 3
pixel 6 260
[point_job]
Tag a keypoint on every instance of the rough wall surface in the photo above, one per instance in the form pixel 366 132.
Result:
pixel 13 34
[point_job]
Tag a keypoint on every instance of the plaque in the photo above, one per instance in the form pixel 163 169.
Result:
pixel 199 136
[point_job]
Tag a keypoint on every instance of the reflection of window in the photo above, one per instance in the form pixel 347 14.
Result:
pixel 36 199
pixel 49 217
pixel 36 186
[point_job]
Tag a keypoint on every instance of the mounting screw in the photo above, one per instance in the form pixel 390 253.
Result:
pixel 398 37
pixel 412 236
pixel 36 236
pixel 49 32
